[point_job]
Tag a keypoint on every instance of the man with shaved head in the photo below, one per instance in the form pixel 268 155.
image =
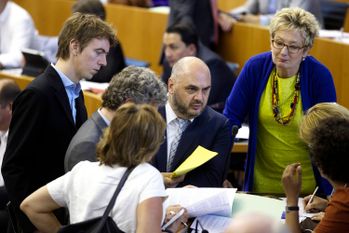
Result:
pixel 190 123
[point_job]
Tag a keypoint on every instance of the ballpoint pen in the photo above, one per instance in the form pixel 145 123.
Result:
pixel 312 196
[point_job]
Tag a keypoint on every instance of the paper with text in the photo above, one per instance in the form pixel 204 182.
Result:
pixel 202 201
pixel 200 156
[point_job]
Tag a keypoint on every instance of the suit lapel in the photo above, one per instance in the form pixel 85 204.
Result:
pixel 81 113
pixel 59 91
pixel 162 153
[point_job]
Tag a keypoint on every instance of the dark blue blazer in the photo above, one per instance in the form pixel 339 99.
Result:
pixel 210 130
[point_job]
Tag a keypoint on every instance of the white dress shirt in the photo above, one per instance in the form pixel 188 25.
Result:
pixel 17 31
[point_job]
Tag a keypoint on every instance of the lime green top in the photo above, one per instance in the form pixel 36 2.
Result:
pixel 279 145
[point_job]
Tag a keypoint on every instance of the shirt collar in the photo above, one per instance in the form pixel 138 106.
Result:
pixel 68 84
pixel 103 117
pixel 171 115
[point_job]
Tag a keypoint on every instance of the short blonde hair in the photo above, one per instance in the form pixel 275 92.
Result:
pixel 316 114
pixel 134 136
pixel 298 19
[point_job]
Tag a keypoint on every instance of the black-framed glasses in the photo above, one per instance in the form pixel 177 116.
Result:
pixel 279 44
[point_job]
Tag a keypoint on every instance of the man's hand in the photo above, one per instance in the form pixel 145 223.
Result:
pixel 171 182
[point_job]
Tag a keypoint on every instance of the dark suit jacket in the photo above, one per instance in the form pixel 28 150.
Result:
pixel 115 63
pixel 40 131
pixel 210 130
pixel 222 77
pixel 83 145
pixel 197 13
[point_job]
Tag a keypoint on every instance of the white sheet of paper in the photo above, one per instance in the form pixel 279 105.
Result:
pixel 202 201
pixel 243 133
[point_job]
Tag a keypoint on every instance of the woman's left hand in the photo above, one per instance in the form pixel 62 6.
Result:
pixel 292 182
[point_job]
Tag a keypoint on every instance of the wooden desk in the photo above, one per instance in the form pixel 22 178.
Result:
pixel 227 5
pixel 92 101
pixel 21 80
pixel 140 32
pixel 240 147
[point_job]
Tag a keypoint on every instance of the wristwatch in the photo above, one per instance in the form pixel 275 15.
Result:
pixel 292 208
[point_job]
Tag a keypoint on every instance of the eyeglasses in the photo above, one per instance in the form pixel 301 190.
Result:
pixel 278 44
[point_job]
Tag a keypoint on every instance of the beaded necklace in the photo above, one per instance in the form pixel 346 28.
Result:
pixel 284 120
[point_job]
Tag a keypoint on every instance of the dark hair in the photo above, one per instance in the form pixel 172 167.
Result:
pixel 329 147
pixel 93 7
pixel 134 136
pixel 186 31
pixel 8 92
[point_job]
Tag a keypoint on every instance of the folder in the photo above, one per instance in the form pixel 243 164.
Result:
pixel 200 156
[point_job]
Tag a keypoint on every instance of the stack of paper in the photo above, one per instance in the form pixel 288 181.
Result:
pixel 202 201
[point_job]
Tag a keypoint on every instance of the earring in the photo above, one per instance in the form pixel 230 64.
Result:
pixel 303 58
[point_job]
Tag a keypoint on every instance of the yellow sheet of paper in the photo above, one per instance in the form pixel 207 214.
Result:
pixel 200 156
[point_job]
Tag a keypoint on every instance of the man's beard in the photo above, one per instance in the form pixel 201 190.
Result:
pixel 183 109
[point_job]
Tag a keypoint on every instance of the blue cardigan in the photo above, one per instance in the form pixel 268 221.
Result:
pixel 316 86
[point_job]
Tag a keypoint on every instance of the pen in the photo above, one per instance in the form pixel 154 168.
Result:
pixel 173 219
pixel 312 196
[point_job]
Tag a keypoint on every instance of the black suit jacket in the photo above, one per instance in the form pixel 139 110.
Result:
pixel 222 77
pixel 197 13
pixel 40 131
pixel 210 130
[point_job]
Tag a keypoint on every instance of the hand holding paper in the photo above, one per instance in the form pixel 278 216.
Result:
pixel 170 181
pixel 200 156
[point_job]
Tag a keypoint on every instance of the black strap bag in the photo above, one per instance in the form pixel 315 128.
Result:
pixel 103 224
